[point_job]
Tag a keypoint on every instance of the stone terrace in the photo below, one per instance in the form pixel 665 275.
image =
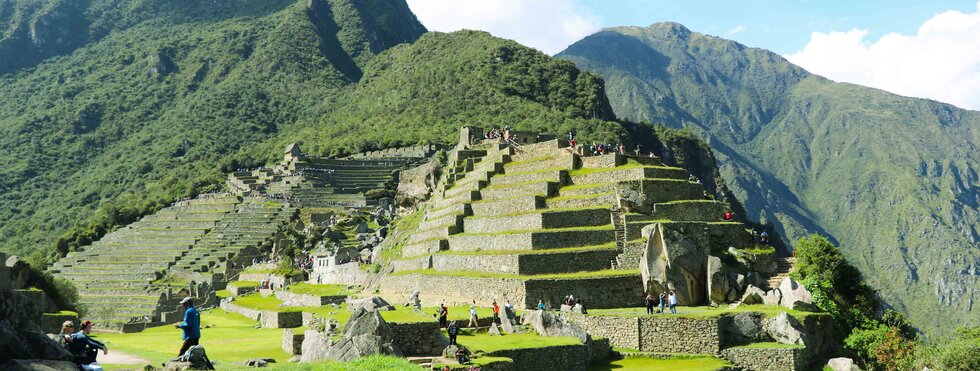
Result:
pixel 539 222
pixel 114 275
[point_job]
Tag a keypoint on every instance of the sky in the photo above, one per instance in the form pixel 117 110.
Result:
pixel 925 49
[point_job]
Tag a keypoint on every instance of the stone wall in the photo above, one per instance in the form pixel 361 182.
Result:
pixel 603 292
pixel 455 290
pixel 622 332
pixel 661 334
pixel 483 263
pixel 698 210
pixel 556 160
pixel 776 359
pixel 346 274
pixel 538 220
pixel 423 248
pixel 275 280
pixel 292 341
pixel 268 319
pixel 530 264
pixel 605 161
pixel 419 339
pixel 307 300
pixel 51 322
pixel 424 262
pixel 538 176
pixel 507 206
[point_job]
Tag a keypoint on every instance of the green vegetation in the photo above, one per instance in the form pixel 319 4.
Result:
pixel 478 341
pixel 320 290
pixel 809 155
pixel 228 338
pixel 256 301
pixel 243 284
pixel 692 363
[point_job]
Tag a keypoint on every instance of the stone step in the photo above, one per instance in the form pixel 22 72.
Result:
pixel 557 176
pixel 557 160
pixel 456 209
pixel 456 220
pixel 440 232
pixel 531 240
pixel 586 189
pixel 424 247
pixel 518 204
pixel 607 200
pixel 626 173
pixel 462 197
pixel 545 189
pixel 538 219
pixel 526 262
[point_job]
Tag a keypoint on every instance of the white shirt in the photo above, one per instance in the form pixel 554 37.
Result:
pixel 673 299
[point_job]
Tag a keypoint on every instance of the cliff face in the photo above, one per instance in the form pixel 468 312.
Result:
pixel 893 180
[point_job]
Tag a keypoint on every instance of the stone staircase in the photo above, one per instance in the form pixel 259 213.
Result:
pixel 538 223
pixel 783 268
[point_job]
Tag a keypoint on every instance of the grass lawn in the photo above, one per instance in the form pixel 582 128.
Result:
pixel 703 312
pixel 399 315
pixel 705 363
pixel 482 341
pixel 243 284
pixel 256 301
pixel 320 290
pixel 227 337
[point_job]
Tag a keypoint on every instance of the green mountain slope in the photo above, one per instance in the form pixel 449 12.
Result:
pixel 893 179
pixel 159 109
pixel 156 110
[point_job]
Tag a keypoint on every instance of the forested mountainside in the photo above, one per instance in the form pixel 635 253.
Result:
pixel 893 179
pixel 157 106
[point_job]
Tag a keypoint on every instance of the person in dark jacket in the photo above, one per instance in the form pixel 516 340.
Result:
pixel 453 332
pixel 443 315
pixel 85 348
pixel 191 325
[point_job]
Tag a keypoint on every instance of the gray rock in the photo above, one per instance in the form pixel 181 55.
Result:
pixel 414 301
pixel 842 364
pixel 772 297
pixel 737 281
pixel 547 324
pixel 674 260
pixel 508 323
pixel 785 329
pixel 718 287
pixel 494 330
pixel 259 362
pixel 755 279
pixel 794 295
pixel 366 333
pixel 746 327
pixel 362 228
pixel 450 351
pixel 369 304
pixel 38 365
pixel 753 295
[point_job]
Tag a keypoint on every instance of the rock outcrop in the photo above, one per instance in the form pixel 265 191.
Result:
pixel 719 289
pixel 795 296
pixel 373 303
pixel 786 329
pixel 20 336
pixel 366 333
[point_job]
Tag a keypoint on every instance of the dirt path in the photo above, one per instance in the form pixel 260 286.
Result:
pixel 116 357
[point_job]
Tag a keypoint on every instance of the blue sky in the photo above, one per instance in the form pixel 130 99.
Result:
pixel 925 49
pixel 781 26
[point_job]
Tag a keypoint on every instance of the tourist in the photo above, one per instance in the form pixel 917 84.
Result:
pixel 443 315
pixel 672 299
pixel 570 300
pixel 649 303
pixel 64 338
pixel 85 348
pixel 728 216
pixel 764 238
pixel 570 137
pixel 496 312
pixel 581 307
pixel 663 301
pixel 540 305
pixel 191 325
pixel 463 355
pixel 452 330
pixel 638 149
pixel 473 319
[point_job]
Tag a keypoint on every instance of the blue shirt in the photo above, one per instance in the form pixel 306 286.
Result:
pixel 80 341
pixel 191 324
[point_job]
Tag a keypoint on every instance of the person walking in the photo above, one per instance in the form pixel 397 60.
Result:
pixel 663 301
pixel 673 302
pixel 648 301
pixel 496 312
pixel 191 325
pixel 473 319
pixel 85 348
pixel 453 330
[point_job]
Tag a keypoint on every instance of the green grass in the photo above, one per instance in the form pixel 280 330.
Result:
pixel 770 345
pixel 401 314
pixel 256 301
pixel 243 284
pixel 703 312
pixel 320 290
pixel 480 274
pixel 696 363
pixel 228 337
pixel 221 294
pixel 479 361
pixel 481 341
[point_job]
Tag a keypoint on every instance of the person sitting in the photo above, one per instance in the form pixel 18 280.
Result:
pixel 64 338
pixel 463 355
pixel 85 348
pixel 728 215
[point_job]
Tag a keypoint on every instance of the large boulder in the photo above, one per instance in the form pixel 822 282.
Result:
pixel 785 329
pixel 753 295
pixel 373 303
pixel 745 327
pixel 794 295
pixel 674 260
pixel 772 297
pixel 719 289
pixel 38 365
pixel 842 364
pixel 547 324
pixel 366 333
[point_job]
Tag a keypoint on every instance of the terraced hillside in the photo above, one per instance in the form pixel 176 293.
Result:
pixel 115 275
pixel 323 182
pixel 539 222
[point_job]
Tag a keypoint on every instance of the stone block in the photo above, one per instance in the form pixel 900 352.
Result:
pixel 507 206
pixel 423 248
pixel 544 189
pixel 292 341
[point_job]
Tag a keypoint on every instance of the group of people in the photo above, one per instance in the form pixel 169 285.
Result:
pixel 663 300
pixel 86 349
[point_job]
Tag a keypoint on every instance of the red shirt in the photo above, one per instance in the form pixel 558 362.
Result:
pixel 496 309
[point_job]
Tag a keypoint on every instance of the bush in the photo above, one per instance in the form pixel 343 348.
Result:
pixel 960 353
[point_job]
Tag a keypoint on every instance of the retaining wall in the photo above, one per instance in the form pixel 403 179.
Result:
pixel 776 359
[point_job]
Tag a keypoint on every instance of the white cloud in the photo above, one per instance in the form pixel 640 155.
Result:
pixel 738 29
pixel 548 25
pixel 941 61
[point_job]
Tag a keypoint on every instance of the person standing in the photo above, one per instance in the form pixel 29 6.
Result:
pixel 473 320
pixel 663 301
pixel 673 302
pixel 191 325
pixel 453 330
pixel 85 348
pixel 443 315
pixel 540 305
pixel 496 312
pixel 648 301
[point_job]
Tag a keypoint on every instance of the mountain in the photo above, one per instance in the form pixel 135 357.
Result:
pixel 152 100
pixel 892 179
